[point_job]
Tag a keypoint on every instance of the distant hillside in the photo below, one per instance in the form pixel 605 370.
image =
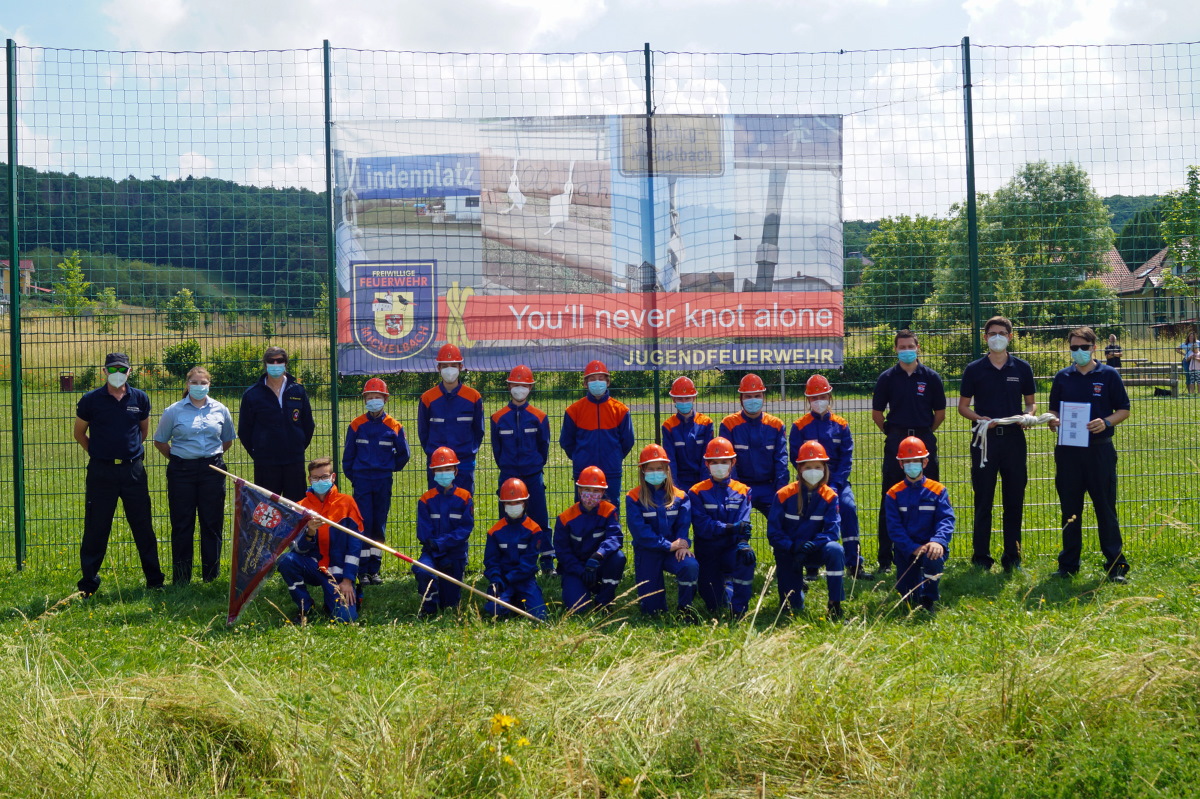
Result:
pixel 1124 207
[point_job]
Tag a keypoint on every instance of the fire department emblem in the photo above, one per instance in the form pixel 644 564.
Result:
pixel 266 515
pixel 394 308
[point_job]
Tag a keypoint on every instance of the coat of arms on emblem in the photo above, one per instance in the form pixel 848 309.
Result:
pixel 266 515
pixel 393 313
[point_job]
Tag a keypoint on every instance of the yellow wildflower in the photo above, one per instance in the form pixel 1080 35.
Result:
pixel 522 741
pixel 502 723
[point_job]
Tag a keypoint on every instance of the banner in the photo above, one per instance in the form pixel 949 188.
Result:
pixel 263 529
pixel 678 240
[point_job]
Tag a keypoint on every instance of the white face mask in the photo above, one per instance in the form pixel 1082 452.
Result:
pixel 514 511
pixel 719 471
pixel 117 379
pixel 449 373
pixel 998 342
pixel 519 393
pixel 812 476
pixel 819 406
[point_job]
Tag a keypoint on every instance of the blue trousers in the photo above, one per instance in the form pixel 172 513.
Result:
pixel 522 593
pixel 723 581
pixel 918 578
pixel 578 598
pixel 299 571
pixel 791 579
pixel 464 479
pixel 537 510
pixel 436 593
pixel 648 569
pixel 373 495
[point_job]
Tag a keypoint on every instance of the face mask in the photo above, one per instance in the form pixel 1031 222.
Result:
pixel 998 342
pixel 117 379
pixel 753 405
pixel 197 392
pixel 519 393
pixel 684 407
pixel 514 511
pixel 812 476
pixel 655 478
pixel 907 356
pixel 443 478
pixel 590 499
pixel 597 388
pixel 1080 357
pixel 449 374
pixel 322 487
pixel 819 406
pixel 276 369
pixel 374 405
pixel 913 469
pixel 719 471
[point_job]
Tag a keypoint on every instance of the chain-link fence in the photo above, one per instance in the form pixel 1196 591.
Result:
pixel 176 206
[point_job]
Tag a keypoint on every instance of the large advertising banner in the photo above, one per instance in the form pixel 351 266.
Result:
pixel 554 241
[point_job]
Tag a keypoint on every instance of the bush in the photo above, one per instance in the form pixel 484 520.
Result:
pixel 179 359
pixel 237 365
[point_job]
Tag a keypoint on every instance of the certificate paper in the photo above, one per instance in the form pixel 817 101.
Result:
pixel 1073 431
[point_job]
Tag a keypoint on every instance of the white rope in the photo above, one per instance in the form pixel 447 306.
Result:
pixel 981 426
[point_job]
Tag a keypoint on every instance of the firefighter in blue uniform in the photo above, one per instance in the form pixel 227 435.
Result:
pixel 587 540
pixel 375 448
pixel 760 443
pixel 685 435
pixel 510 558
pixel 275 425
pixel 660 519
pixel 445 518
pixel 920 522
pixel 833 433
pixel 804 528
pixel 598 430
pixel 520 447
pixel 721 526
pixel 451 415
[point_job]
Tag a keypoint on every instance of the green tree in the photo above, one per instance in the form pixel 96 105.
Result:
pixel 182 313
pixel 72 291
pixel 1141 237
pixel 108 310
pixel 1181 226
pixel 321 311
pixel 267 312
pixel 905 252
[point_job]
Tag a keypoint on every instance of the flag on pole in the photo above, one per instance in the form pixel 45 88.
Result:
pixel 263 529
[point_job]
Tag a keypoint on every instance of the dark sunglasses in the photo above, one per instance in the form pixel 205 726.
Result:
pixel 1080 347
pixel 112 370
pixel 276 360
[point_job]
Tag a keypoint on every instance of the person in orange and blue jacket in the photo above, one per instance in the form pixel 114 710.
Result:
pixel 833 432
pixel 521 446
pixel 445 518
pixel 375 448
pixel 659 518
pixel 920 522
pixel 760 443
pixel 451 415
pixel 510 557
pixel 325 555
pixel 597 430
pixel 685 435
pixel 803 528
pixel 721 523
pixel 588 539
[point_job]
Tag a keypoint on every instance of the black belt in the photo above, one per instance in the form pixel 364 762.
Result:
pixel 213 459
pixel 117 461
pixel 1012 430
pixel 909 431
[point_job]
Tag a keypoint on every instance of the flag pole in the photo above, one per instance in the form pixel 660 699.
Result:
pixel 412 561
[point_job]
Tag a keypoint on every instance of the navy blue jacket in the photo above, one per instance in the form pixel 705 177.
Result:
pixel 520 439
pixel 272 434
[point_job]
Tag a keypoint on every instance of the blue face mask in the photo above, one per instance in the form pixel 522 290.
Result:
pixel 597 388
pixel 374 405
pixel 684 407
pixel 907 356
pixel 913 469
pixel 276 369
pixel 197 392
pixel 655 478
pixel 1081 357
pixel 753 405
pixel 443 478
pixel 321 487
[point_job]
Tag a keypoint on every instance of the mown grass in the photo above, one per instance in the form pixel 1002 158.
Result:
pixel 1021 687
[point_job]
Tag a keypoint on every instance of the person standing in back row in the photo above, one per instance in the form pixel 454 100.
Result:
pixel 451 415
pixel 914 398
pixel 759 442
pixel 597 431
pixel 275 425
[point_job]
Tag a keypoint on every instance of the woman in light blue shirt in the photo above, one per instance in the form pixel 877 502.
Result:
pixel 193 433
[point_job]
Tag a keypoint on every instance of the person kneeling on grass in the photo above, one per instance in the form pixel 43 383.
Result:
pixel 659 517
pixel 324 555
pixel 803 527
pixel 920 522
pixel 510 558
pixel 445 518
pixel 587 541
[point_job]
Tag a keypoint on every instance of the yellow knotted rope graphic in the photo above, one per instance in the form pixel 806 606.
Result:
pixel 456 304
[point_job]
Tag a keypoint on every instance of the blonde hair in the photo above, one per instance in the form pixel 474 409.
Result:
pixel 668 485
pixel 195 371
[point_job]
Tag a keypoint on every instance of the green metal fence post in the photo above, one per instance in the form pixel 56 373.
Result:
pixel 972 222
pixel 648 244
pixel 14 316
pixel 331 259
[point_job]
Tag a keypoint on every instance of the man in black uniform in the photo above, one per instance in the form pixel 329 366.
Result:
pixel 111 422
pixel 915 399
pixel 1001 385
pixel 275 425
pixel 1091 468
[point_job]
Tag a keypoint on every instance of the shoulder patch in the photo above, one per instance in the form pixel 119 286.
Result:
pixel 672 422
pixel 393 424
pixel 895 490
pixel 571 514
pixel 741 488
pixel 358 422
pixel 841 420
pixel 635 494
pixel 679 494
pixel 702 418
pixel 732 420
pixel 538 413
pixel 530 525
pixel 772 421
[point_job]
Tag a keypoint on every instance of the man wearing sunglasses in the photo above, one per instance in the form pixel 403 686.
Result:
pixel 275 425
pixel 111 422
